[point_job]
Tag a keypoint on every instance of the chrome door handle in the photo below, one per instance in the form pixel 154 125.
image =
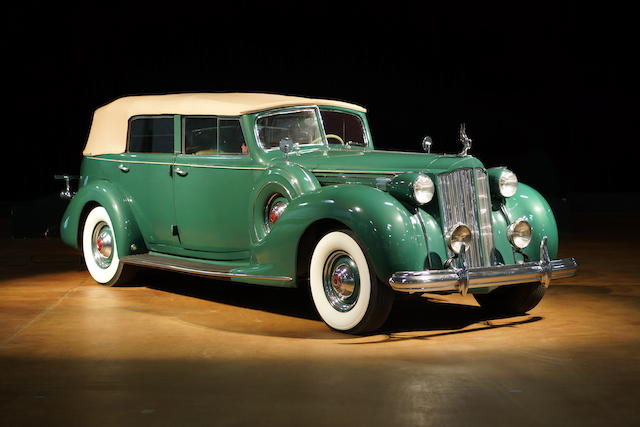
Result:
pixel 123 168
pixel 181 172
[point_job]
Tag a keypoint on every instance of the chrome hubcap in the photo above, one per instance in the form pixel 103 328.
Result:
pixel 102 244
pixel 341 281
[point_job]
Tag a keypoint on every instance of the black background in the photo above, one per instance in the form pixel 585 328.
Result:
pixel 544 89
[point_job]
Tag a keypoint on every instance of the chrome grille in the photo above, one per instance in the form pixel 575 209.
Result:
pixel 484 214
pixel 459 204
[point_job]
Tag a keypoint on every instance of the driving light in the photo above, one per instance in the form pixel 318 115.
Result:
pixel 459 234
pixel 519 233
pixel 507 183
pixel 423 189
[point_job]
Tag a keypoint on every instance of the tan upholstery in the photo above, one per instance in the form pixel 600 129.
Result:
pixel 108 133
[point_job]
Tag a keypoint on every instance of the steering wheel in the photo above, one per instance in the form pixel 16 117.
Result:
pixel 330 135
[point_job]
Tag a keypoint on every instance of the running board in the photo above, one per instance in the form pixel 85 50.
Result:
pixel 193 267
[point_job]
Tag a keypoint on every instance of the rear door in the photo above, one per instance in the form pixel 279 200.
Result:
pixel 145 174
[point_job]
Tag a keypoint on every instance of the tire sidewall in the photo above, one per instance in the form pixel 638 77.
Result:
pixel 328 244
pixel 99 274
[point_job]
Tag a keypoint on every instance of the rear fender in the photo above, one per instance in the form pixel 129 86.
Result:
pixel 107 195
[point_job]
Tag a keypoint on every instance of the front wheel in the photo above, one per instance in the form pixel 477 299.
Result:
pixel 100 250
pixel 344 287
pixel 511 299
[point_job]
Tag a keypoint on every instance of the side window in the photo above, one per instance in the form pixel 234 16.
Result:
pixel 211 135
pixel 200 135
pixel 231 138
pixel 151 134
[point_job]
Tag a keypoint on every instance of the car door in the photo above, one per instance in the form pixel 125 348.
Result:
pixel 145 175
pixel 213 178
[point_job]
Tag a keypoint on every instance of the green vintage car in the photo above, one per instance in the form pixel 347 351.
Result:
pixel 288 191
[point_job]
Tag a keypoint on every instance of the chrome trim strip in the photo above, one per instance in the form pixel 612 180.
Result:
pixel 355 172
pixel 176 164
pixel 220 167
pixel 173 265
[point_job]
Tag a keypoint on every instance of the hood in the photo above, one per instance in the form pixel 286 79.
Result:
pixel 380 162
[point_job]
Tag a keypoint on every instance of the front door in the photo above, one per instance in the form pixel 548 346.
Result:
pixel 213 178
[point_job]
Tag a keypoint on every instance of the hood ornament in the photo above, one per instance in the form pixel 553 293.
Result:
pixel 465 140
pixel 427 142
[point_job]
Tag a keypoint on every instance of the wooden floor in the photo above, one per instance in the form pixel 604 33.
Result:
pixel 178 350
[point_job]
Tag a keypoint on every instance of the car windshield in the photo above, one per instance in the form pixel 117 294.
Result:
pixel 343 128
pixel 299 127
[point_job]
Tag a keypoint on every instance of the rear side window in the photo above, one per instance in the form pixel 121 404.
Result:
pixel 151 134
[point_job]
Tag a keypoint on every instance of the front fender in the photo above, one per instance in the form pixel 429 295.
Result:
pixel 296 179
pixel 392 235
pixel 286 179
pixel 111 198
pixel 527 203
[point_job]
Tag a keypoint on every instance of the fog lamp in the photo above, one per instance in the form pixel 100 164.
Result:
pixel 519 233
pixel 460 234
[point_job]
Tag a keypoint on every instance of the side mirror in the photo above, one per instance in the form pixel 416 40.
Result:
pixel 286 146
pixel 427 142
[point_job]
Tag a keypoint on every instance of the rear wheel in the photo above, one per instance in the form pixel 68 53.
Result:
pixel 512 299
pixel 100 250
pixel 344 288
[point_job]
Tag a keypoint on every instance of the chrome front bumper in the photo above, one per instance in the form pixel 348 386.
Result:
pixel 462 279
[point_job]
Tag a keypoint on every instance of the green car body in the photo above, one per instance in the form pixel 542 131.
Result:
pixel 216 212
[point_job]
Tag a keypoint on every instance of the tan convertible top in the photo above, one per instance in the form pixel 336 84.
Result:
pixel 108 133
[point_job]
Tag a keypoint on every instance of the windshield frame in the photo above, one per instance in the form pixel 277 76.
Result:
pixel 289 110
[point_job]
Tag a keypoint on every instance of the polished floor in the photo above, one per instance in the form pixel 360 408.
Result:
pixel 176 350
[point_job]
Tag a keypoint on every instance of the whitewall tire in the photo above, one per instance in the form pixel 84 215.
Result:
pixel 345 290
pixel 100 249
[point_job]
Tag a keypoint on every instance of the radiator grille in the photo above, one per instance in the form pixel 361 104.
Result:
pixel 459 203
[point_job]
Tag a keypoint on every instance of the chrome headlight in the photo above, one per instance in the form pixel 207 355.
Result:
pixel 519 233
pixel 507 183
pixel 459 234
pixel 423 189
pixel 412 187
